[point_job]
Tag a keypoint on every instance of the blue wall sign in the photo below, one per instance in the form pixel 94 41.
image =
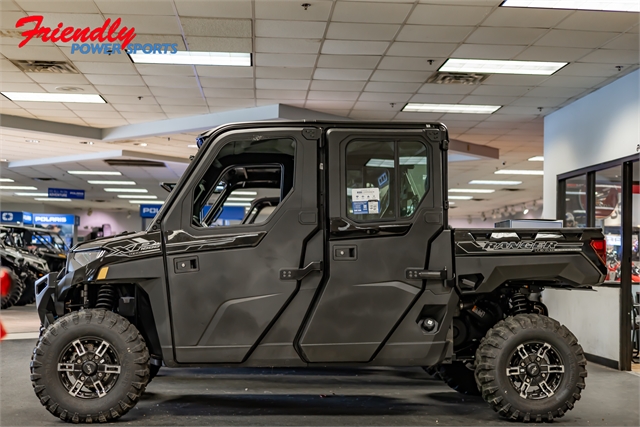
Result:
pixel 54 219
pixel 149 211
pixel 10 217
pixel 65 193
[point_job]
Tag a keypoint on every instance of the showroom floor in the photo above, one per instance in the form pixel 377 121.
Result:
pixel 306 396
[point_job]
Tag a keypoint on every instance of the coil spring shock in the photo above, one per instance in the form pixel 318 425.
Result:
pixel 106 297
pixel 519 304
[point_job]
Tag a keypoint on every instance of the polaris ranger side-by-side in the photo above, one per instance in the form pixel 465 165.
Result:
pixel 344 257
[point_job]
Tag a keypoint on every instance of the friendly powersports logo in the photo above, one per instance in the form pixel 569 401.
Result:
pixel 110 38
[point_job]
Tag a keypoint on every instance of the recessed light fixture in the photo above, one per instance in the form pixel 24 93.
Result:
pixel 604 5
pixel 54 97
pixel 6 180
pixel 460 197
pixel 415 107
pixel 518 172
pixel 125 190
pixel 194 58
pixel 3 160
pixel 100 182
pixel 239 199
pixel 244 193
pixel 47 199
pixel 94 173
pixel 243 204
pixel 146 202
pixel 33 141
pixel 32 194
pixel 17 187
pixel 192 146
pixel 536 159
pixel 492 182
pixel 470 190
pixel 491 66
pixel 136 196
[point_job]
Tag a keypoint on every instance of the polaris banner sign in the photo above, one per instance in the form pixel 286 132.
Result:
pixel 18 218
pixel 65 193
pixel 149 211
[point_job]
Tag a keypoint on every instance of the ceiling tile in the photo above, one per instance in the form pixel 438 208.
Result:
pixel 501 90
pixel 281 94
pixel 611 56
pixel 291 10
pixel 341 74
pixel 530 101
pixel 284 73
pixel 226 83
pixel 409 63
pixel 18 77
pixel 343 61
pixel 134 7
pixel 371 114
pixel 480 51
pixel 316 104
pixel 80 20
pixel 514 80
pixel 171 81
pixel 282 84
pixel 42 106
pixel 333 96
pixel 525 17
pixel 547 91
pixel 162 39
pixel 448 15
pixel 231 103
pixel 91 57
pixel 148 24
pixel 345 85
pixel 546 53
pixel 426 50
pixel 378 106
pixel 284 60
pixel 214 27
pixel 384 97
pixel 352 31
pixel 599 21
pixel 433 88
pixel 175 92
pixel 54 87
pixel 235 72
pixel 120 80
pixel 419 117
pixel 7 5
pixel 625 42
pixel 400 76
pixel 517 110
pixel 165 70
pixel 215 9
pixel 107 89
pixel 68 6
pixel 48 53
pixel 436 98
pixel 186 109
pixel 488 100
pixel 219 44
pixel 381 13
pixel 272 45
pixel 145 108
pixel 290 29
pixel 573 81
pixel 228 93
pixel 20 87
pixel 511 36
pixel 348 47
pixel 589 70
pixel 392 87
pixel 433 33
pixel 108 68
pixel 199 101
pixel 66 79
pixel 565 38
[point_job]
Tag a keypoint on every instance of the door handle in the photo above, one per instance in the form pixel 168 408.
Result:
pixel 345 253
pixel 186 264
pixel 300 273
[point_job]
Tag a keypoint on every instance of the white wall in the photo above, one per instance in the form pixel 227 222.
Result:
pixel 602 126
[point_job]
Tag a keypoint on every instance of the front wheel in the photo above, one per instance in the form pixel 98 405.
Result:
pixel 90 366
pixel 530 368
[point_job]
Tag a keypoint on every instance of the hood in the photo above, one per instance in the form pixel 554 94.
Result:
pixel 109 241
pixel 127 245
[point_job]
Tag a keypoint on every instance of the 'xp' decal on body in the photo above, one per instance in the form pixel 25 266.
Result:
pixel 135 246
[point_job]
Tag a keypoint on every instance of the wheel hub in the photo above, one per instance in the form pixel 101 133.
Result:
pixel 89 368
pixel 535 370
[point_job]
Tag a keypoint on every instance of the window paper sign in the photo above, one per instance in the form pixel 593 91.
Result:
pixel 365 201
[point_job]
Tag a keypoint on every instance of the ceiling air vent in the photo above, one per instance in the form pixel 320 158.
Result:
pixel 457 78
pixel 57 67
pixel 134 163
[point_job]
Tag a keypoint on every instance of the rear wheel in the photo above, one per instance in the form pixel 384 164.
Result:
pixel 28 294
pixel 530 368
pixel 14 294
pixel 90 366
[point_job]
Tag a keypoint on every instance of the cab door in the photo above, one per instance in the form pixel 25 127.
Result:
pixel 385 205
pixel 228 284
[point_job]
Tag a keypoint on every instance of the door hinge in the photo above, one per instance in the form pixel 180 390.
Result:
pixel 311 133
pixel 300 273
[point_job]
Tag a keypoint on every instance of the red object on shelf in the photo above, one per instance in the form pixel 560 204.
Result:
pixel 600 247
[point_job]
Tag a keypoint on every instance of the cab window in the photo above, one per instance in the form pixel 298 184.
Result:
pixel 243 174
pixel 385 180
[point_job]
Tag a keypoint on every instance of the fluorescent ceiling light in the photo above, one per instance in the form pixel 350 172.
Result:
pixel 136 196
pixel 492 182
pixel 416 107
pixel 146 202
pixel 6 180
pixel 192 146
pixel 47 199
pixel 518 172
pixel 460 197
pixel 237 204
pixel 234 59
pixel 537 159
pixel 32 194
pixel 240 199
pixel 94 173
pixel 244 193
pixel 55 97
pixel 17 187
pixel 125 190
pixel 491 66
pixel 112 182
pixel 470 190
pixel 605 5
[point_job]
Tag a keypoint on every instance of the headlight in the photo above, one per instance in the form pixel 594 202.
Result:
pixel 82 258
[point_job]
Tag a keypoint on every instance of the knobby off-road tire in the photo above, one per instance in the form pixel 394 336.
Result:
pixel 28 293
pixel 153 371
pixel 538 349
pixel 104 343
pixel 14 294
pixel 460 378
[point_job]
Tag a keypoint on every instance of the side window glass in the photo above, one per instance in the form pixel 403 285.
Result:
pixel 245 183
pixel 385 179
